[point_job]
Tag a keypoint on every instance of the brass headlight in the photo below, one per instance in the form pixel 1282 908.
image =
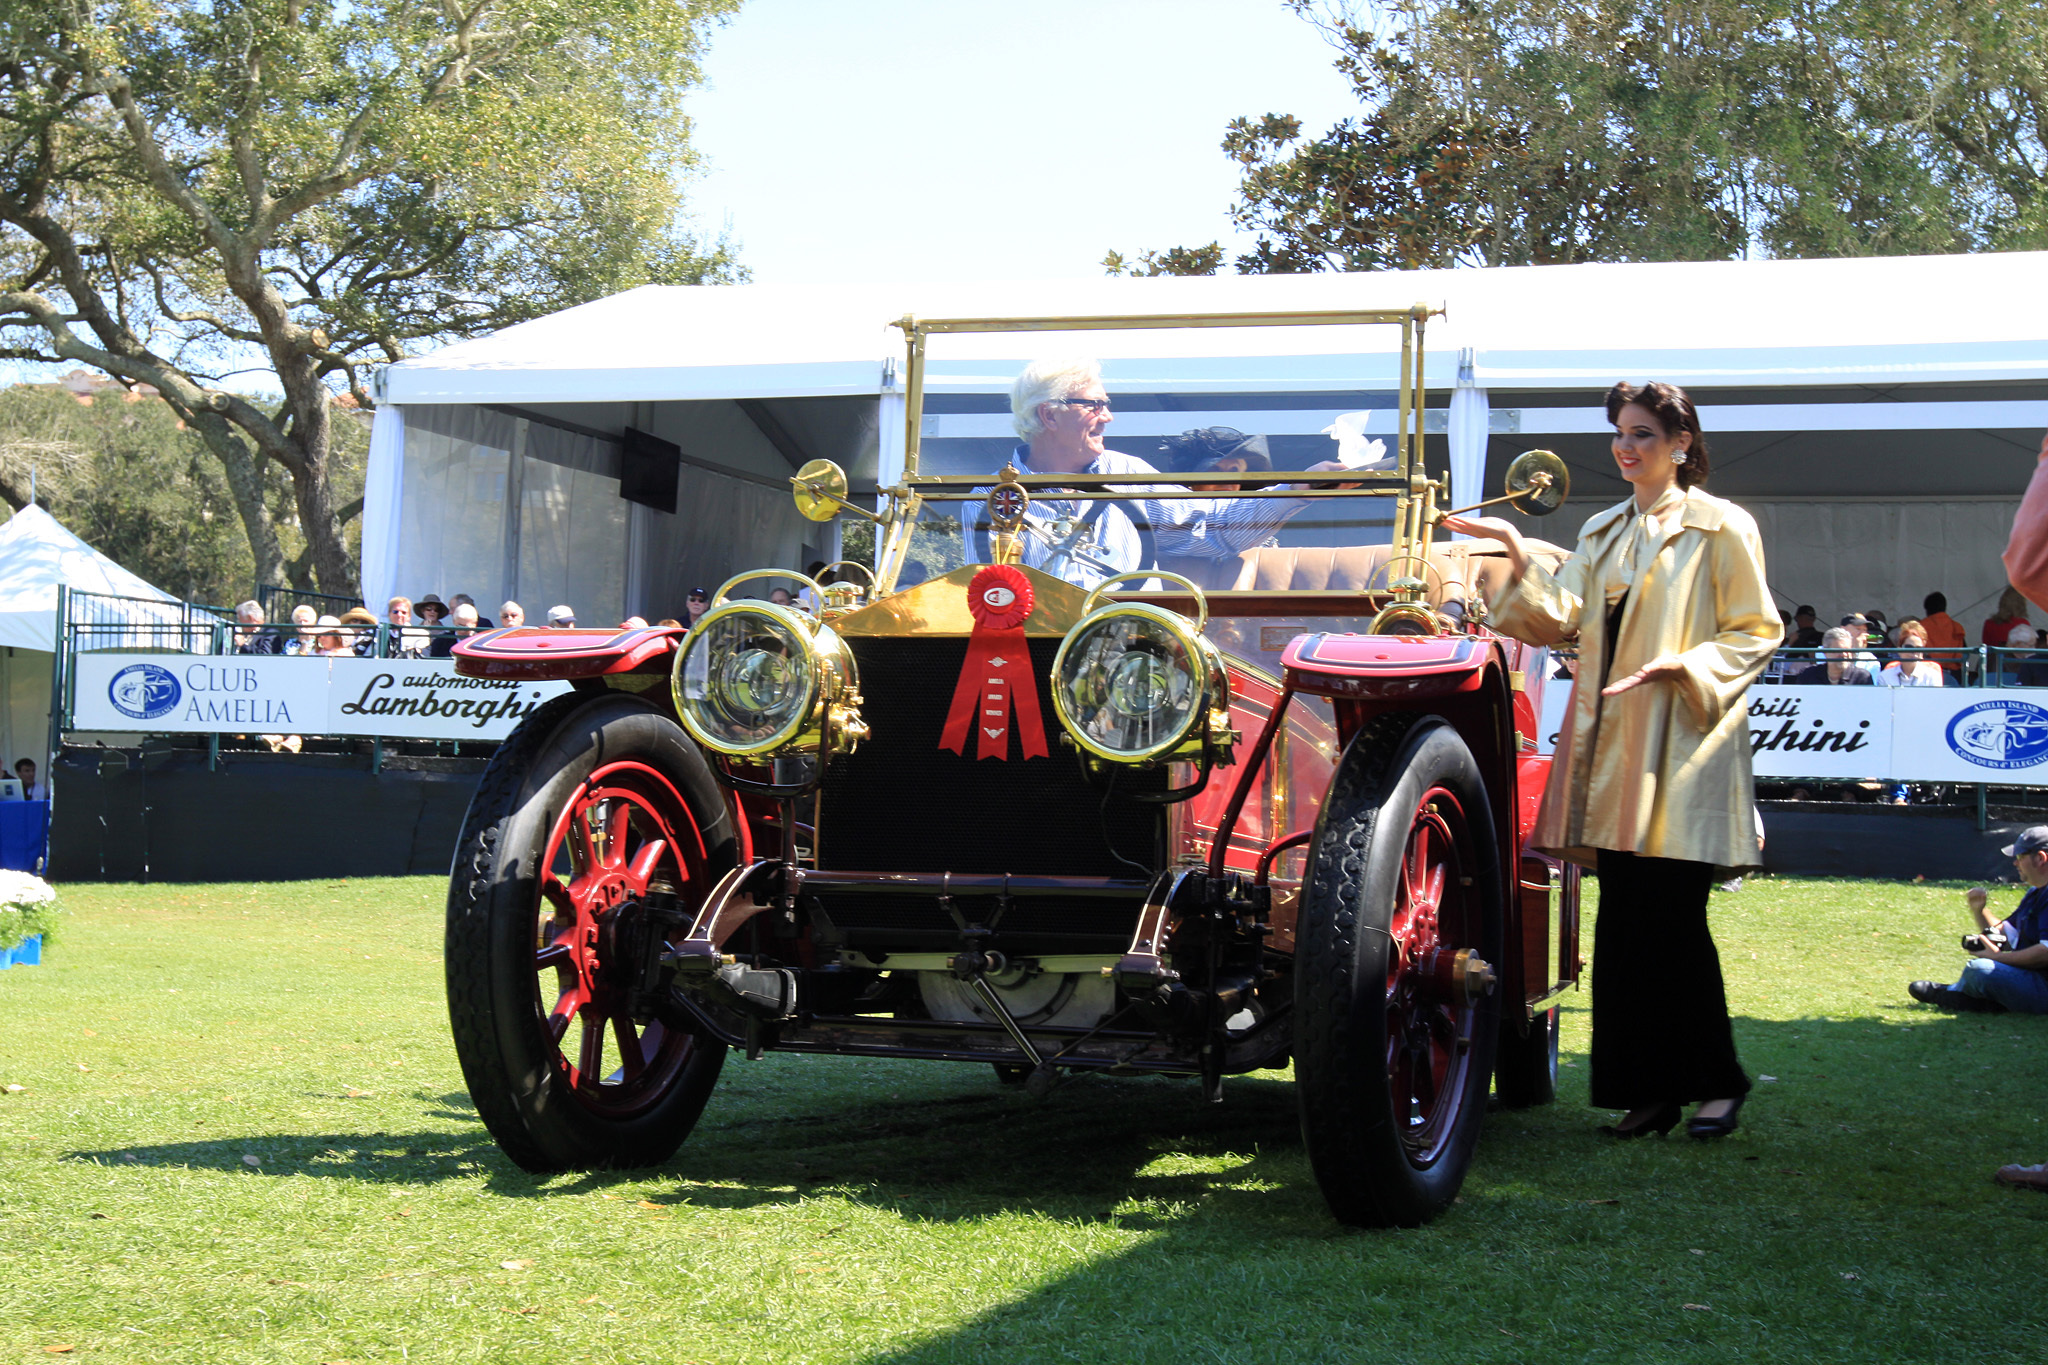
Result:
pixel 1135 683
pixel 756 680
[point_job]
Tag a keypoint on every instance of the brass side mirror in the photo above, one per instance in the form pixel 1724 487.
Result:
pixel 1537 482
pixel 820 490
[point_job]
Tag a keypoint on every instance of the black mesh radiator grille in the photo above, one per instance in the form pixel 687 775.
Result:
pixel 903 804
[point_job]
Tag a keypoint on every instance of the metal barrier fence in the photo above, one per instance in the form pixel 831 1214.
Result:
pixel 279 603
pixel 1974 666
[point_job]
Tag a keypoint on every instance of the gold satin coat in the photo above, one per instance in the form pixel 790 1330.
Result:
pixel 1663 769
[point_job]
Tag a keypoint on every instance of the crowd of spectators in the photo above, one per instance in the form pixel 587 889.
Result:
pixel 1930 650
pixel 426 628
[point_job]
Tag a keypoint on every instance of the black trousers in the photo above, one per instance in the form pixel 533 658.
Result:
pixel 1660 1013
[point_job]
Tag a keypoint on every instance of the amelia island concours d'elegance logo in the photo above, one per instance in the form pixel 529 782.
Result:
pixel 144 691
pixel 2001 733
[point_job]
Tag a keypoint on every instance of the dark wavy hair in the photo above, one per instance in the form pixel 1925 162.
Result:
pixel 1675 413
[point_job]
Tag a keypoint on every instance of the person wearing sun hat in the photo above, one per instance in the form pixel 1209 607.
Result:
pixel 2008 966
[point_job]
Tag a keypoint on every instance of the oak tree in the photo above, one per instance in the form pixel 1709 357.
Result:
pixel 216 198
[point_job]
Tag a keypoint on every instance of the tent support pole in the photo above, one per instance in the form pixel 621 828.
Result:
pixel 1983 814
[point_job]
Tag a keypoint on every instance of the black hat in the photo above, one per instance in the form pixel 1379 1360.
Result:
pixel 700 592
pixel 2033 839
pixel 1855 618
pixel 1805 611
pixel 1193 451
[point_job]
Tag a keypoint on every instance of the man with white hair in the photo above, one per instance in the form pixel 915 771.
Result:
pixel 251 635
pixel 1061 410
pixel 1838 649
pixel 511 615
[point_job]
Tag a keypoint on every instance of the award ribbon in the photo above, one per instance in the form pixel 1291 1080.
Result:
pixel 997 670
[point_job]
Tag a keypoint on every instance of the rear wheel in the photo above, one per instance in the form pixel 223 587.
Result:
pixel 592 802
pixel 1395 1032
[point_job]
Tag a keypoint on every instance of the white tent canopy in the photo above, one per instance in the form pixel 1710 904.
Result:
pixel 37 555
pixel 1880 415
pixel 1700 324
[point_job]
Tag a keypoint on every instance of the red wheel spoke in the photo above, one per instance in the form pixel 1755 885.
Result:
pixel 641 869
pixel 630 1055
pixel 590 1056
pixel 556 893
pixel 616 819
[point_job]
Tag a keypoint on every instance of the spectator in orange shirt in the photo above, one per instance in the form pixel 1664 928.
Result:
pixel 1944 632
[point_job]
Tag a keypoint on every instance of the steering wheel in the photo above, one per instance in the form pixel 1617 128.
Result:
pixel 1068 549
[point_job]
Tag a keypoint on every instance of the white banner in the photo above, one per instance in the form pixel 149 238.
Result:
pixel 275 695
pixel 1902 734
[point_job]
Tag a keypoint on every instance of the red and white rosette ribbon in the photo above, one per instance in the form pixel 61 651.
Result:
pixel 997 675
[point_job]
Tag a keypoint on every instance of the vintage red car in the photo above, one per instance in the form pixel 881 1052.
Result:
pixel 1144 827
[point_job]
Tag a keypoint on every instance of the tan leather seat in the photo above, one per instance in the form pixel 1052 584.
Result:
pixel 1456 568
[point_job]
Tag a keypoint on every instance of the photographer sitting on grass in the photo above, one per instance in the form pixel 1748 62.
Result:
pixel 2008 967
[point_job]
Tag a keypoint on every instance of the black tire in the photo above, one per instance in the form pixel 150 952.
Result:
pixel 1525 1068
pixel 1390 1139
pixel 529 894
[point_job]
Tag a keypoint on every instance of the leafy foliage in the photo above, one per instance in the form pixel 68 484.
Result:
pixel 188 187
pixel 126 476
pixel 1530 132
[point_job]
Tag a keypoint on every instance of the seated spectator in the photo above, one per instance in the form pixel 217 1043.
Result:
pixel 431 610
pixel 362 630
pixel 482 622
pixel 698 602
pixel 670 622
pixel 1805 634
pixel 2024 670
pixel 1911 668
pixel 511 615
pixel 2008 966
pixel 465 624
pixel 302 639
pixel 1880 627
pixel 779 595
pixel 331 641
pixel 1838 649
pixel 31 790
pixel 561 617
pixel 1944 632
pixel 403 640
pixel 2012 610
pixel 1859 625
pixel 633 623
pixel 251 635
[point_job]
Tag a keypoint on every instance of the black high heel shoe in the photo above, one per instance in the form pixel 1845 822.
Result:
pixel 1659 1120
pixel 1715 1127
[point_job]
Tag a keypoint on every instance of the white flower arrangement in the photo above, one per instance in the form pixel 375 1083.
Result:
pixel 28 906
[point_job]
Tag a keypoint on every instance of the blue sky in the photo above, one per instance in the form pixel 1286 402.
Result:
pixel 965 139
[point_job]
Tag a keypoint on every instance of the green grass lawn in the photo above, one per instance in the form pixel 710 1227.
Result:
pixel 242 1137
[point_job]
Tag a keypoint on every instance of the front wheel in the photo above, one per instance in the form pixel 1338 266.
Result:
pixel 1396 1026
pixel 593 802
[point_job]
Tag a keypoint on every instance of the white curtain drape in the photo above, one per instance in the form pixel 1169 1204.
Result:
pixel 1467 436
pixel 382 484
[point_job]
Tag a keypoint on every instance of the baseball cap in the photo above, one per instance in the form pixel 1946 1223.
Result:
pixel 2033 839
pixel 1855 618
pixel 1804 611
pixel 560 614
pixel 701 592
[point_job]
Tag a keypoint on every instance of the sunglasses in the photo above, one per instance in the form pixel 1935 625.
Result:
pixel 1092 404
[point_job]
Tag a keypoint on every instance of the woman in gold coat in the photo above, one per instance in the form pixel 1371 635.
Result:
pixel 1666 598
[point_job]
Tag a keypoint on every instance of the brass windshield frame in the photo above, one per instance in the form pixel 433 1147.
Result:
pixel 1413 491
